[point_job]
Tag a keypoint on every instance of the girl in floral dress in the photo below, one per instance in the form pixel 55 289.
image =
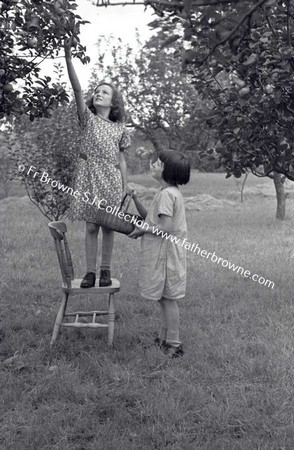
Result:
pixel 101 173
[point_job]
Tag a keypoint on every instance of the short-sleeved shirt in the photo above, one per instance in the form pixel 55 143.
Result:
pixel 163 261
pixel 98 175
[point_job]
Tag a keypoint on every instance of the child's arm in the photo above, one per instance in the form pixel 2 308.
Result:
pixel 140 207
pixel 81 105
pixel 123 169
pixel 166 226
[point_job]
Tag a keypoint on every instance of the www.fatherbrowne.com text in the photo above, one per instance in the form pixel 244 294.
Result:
pixel 115 210
pixel 194 248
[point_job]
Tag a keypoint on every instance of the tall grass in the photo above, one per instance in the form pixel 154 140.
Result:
pixel 232 390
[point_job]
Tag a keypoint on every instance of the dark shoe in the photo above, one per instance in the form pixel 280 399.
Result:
pixel 89 280
pixel 159 343
pixel 105 278
pixel 172 351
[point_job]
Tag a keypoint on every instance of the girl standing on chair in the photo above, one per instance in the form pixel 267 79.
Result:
pixel 163 256
pixel 101 172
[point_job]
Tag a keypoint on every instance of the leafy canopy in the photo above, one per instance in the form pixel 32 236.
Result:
pixel 31 31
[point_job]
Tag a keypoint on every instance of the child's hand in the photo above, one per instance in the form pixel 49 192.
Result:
pixel 125 192
pixel 128 190
pixel 134 193
pixel 138 232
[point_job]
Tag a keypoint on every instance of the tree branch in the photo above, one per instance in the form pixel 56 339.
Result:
pixel 283 172
pixel 225 39
pixel 35 203
pixel 257 173
pixel 167 4
pixel 289 39
pixel 273 169
pixel 271 27
pixel 213 99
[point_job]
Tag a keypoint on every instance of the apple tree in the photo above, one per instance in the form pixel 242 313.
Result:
pixel 49 147
pixel 254 114
pixel 251 42
pixel 31 31
pixel 240 55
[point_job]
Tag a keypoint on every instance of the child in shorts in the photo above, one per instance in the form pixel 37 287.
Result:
pixel 163 258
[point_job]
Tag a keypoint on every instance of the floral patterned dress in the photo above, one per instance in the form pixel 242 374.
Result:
pixel 98 175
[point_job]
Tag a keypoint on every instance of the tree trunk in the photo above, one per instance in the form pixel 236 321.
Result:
pixel 279 181
pixel 243 186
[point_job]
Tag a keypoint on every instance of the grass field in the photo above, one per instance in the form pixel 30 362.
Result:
pixel 234 388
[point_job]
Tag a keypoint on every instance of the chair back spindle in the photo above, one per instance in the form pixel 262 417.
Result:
pixel 58 231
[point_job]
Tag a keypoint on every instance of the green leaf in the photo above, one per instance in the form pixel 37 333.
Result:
pixel 170 41
pixel 252 58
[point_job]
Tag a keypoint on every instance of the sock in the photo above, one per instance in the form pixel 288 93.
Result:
pixel 162 334
pixel 173 343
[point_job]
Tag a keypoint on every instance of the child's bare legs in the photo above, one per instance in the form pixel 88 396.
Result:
pixel 163 327
pixel 91 246
pixel 172 317
pixel 172 347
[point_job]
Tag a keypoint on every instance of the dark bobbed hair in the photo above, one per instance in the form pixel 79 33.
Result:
pixel 176 167
pixel 117 111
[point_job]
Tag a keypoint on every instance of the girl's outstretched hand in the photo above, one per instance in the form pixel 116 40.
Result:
pixel 138 232
pixel 67 46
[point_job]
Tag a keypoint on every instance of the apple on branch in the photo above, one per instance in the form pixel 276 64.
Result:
pixel 244 91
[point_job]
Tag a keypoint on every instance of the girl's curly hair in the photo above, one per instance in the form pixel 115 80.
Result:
pixel 117 111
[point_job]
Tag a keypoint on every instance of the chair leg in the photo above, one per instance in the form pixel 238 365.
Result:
pixel 59 318
pixel 110 319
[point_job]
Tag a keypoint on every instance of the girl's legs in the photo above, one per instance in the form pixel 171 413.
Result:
pixel 91 255
pixel 107 247
pixel 91 242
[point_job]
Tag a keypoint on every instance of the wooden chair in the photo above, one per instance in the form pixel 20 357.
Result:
pixel 70 286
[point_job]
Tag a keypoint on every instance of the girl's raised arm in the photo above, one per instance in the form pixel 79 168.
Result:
pixel 81 105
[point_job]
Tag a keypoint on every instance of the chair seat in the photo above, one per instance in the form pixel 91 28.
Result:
pixel 75 288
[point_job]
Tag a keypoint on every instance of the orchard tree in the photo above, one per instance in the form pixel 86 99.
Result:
pixel 251 44
pixel 5 164
pixel 253 115
pixel 31 31
pixel 49 147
